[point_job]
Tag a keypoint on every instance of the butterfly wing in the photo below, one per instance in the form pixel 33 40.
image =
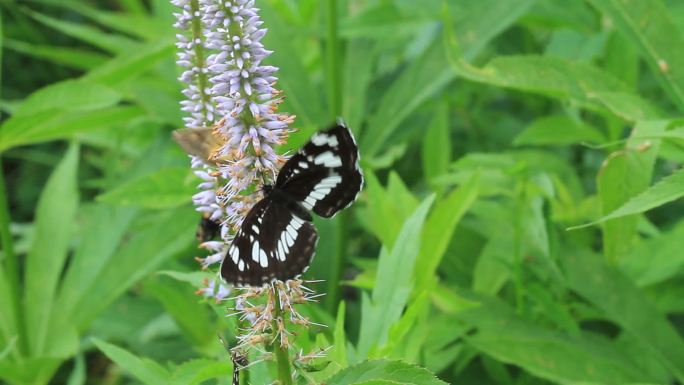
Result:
pixel 324 175
pixel 272 244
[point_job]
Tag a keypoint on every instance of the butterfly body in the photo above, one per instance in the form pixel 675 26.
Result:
pixel 277 240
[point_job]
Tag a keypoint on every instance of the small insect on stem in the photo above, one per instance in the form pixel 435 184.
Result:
pixel 239 359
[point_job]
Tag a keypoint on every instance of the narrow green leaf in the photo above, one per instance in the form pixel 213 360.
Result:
pixel 167 188
pixel 182 304
pixel 301 93
pixel 140 25
pixel 105 227
pixel 390 295
pixel 624 304
pixel 147 371
pixel 648 24
pixel 68 95
pixel 131 64
pixel 384 372
pixel 146 248
pixel 436 150
pixel 668 189
pixel 78 373
pixel 657 259
pixel 77 58
pixel 48 125
pixel 106 41
pixel 339 350
pixel 552 355
pixel 54 224
pixel 430 72
pixel 558 130
pixel 439 229
pixel 358 67
pixel 197 372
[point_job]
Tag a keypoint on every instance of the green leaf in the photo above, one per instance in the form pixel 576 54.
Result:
pixel 162 236
pixel 657 259
pixel 666 190
pixel 617 297
pixel 197 372
pixel 384 372
pixel 183 305
pixel 429 73
pixel 648 24
pixel 623 175
pixel 339 350
pixel 582 84
pixel 439 229
pixel 393 282
pixel 48 125
pixel 302 95
pixel 78 373
pixel 147 371
pixel 166 188
pixel 105 227
pixel 106 41
pixel 129 65
pixel 436 151
pixel 358 71
pixel 68 95
pixel 558 130
pixel 54 223
pixel 552 355
pixel 68 56
pixel 394 202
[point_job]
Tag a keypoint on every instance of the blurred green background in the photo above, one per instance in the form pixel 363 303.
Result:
pixel 487 129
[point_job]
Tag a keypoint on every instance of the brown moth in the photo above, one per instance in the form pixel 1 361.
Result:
pixel 200 142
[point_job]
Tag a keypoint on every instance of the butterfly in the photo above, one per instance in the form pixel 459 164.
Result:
pixel 277 240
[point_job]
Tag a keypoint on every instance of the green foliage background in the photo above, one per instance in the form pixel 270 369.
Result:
pixel 490 132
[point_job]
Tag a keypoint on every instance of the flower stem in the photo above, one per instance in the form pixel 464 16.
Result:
pixel 281 352
pixel 333 60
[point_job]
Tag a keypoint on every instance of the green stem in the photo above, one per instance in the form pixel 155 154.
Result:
pixel 333 60
pixel 281 352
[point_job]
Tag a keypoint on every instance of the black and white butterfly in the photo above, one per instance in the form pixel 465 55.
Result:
pixel 277 239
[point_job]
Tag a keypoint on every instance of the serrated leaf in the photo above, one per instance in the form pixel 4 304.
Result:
pixel 666 190
pixel 384 372
pixel 648 24
pixel 167 188
pixel 147 371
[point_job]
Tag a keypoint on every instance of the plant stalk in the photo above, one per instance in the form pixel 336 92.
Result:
pixel 281 352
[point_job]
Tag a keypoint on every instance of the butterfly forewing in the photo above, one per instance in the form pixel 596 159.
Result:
pixel 324 175
pixel 273 243
pixel 277 240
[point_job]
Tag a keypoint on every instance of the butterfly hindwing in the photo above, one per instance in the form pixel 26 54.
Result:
pixel 273 243
pixel 324 175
